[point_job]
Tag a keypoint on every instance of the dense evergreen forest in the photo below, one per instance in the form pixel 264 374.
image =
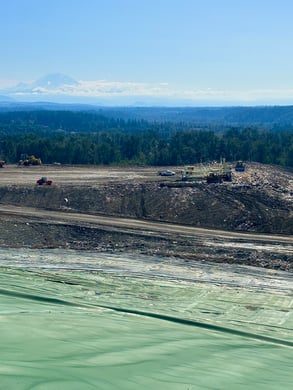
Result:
pixel 75 137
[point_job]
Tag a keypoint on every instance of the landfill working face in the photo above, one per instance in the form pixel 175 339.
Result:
pixel 86 320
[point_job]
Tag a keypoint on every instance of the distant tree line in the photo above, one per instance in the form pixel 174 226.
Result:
pixel 88 138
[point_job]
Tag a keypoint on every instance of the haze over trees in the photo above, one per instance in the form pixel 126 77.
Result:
pixel 77 137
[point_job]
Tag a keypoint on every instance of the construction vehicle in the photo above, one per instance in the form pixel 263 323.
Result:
pixel 193 172
pixel 239 167
pixel 213 178
pixel 218 177
pixel 30 160
pixel 43 180
pixel 213 172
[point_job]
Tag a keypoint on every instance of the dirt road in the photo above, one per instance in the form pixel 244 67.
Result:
pixel 147 227
pixel 194 241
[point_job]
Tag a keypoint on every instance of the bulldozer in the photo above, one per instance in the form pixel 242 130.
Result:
pixel 239 167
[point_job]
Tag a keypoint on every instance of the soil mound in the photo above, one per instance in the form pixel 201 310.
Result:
pixel 259 200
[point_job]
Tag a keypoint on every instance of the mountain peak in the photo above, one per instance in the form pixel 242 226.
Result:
pixel 49 83
pixel 54 80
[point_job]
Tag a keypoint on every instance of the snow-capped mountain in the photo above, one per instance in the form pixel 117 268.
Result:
pixel 58 87
pixel 54 80
pixel 46 84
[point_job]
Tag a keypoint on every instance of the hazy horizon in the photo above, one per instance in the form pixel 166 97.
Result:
pixel 191 52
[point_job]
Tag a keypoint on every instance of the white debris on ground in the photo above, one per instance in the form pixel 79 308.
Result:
pixel 264 176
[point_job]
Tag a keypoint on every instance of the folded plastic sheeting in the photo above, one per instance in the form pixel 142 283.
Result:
pixel 79 320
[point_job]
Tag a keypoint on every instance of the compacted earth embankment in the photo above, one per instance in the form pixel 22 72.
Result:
pixel 259 200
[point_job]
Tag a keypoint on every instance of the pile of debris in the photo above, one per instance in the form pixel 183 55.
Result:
pixel 264 177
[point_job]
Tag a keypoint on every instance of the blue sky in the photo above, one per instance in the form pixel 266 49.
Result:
pixel 222 50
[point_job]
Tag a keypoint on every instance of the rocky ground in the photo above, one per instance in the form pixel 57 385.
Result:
pixel 258 200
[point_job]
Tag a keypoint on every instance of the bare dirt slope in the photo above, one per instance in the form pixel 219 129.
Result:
pixel 257 200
